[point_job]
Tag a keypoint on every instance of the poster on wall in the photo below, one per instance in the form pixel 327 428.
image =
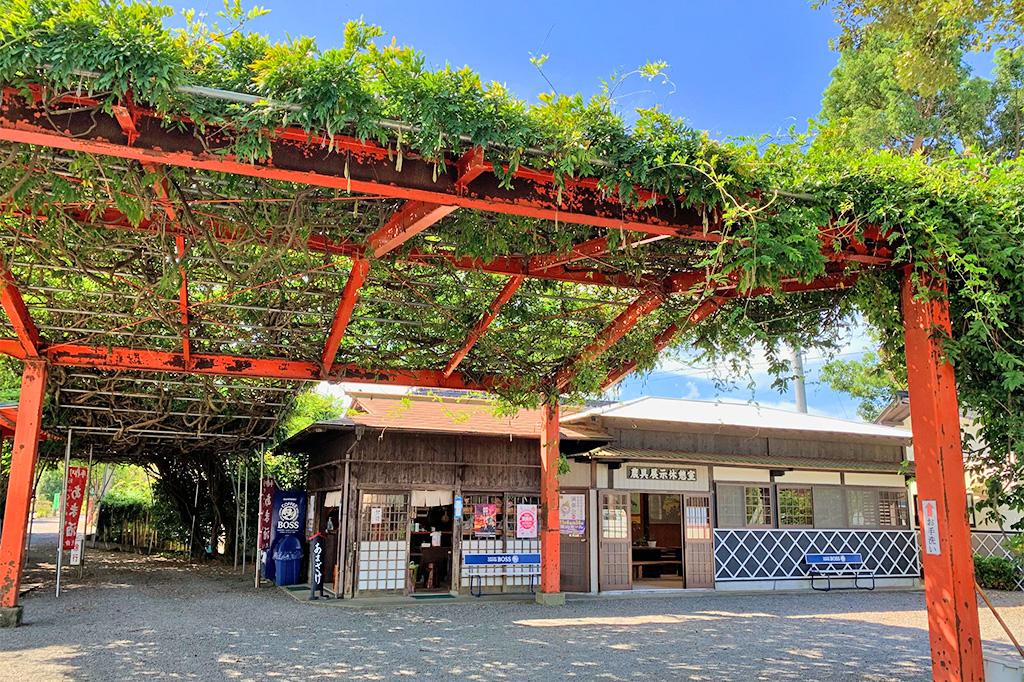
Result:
pixel 77 477
pixel 526 521
pixel 572 515
pixel 485 520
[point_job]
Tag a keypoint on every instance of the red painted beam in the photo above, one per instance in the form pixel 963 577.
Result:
pixel 127 122
pixel 347 164
pixel 17 312
pixel 946 554
pixel 111 218
pixel 186 337
pixel 407 222
pixel 164 199
pixel 13 348
pixel 550 532
pixel 133 359
pixel 593 248
pixel 503 297
pixel 520 265
pixel 644 305
pixel 354 165
pixel 685 281
pixel 349 297
pixel 664 339
pixel 471 165
pixel 24 455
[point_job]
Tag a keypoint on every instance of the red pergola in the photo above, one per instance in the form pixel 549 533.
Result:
pixel 79 124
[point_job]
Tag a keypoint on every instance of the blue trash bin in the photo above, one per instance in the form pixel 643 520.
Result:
pixel 287 561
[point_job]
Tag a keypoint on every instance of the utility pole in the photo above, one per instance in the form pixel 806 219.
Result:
pixel 798 381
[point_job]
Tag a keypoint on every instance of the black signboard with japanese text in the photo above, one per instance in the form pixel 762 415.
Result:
pixel 316 566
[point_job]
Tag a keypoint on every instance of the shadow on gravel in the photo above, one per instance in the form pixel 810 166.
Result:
pixel 133 617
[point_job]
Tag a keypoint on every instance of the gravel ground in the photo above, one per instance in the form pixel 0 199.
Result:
pixel 133 617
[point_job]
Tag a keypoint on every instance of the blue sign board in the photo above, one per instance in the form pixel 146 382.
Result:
pixel 287 520
pixel 840 558
pixel 502 559
pixel 457 508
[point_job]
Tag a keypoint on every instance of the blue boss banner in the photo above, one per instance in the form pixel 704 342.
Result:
pixel 289 512
pixel 287 519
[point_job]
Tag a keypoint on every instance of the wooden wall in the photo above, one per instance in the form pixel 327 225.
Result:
pixel 418 461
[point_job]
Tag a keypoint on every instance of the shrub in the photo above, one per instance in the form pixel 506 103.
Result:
pixel 1015 546
pixel 996 573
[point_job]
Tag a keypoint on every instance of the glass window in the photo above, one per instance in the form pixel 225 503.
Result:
pixel 758 506
pixel 729 499
pixel 510 518
pixel 862 507
pixel 892 509
pixel 828 507
pixel 795 508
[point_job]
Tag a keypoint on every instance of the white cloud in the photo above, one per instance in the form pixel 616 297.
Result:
pixel 692 392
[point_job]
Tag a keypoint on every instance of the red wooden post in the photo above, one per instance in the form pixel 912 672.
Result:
pixel 941 490
pixel 550 537
pixel 19 490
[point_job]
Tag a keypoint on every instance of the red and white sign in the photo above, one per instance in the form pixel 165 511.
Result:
pixel 73 498
pixel 526 521
pixel 930 527
pixel 266 511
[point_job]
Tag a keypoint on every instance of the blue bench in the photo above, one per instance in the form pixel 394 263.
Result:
pixel 838 565
pixel 505 561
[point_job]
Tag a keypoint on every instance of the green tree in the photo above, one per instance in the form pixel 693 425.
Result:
pixel 1007 120
pixel 868 106
pixel 310 406
pixel 927 61
pixel 867 379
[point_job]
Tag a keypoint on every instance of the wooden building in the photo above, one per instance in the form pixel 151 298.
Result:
pixel 392 472
pixel 658 494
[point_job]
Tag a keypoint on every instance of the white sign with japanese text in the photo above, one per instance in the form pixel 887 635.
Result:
pixel 930 526
pixel 659 477
pixel 659 473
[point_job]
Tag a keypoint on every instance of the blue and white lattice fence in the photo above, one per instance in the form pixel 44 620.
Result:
pixel 776 554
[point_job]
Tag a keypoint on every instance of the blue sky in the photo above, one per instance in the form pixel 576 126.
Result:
pixel 736 69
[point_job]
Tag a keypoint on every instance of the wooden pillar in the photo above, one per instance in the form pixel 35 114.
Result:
pixel 19 489
pixel 941 490
pixel 550 537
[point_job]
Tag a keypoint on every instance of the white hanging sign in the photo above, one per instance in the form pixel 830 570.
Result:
pixel 930 526
pixel 526 521
pixel 76 553
pixel 376 515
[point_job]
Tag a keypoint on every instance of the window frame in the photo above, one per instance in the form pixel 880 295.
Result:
pixel 744 486
pixel 779 487
pixel 775 510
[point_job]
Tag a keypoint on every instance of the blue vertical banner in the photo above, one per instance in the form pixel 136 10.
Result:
pixel 287 521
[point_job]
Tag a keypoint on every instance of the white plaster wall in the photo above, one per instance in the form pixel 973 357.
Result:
pixel 578 476
pixel 740 474
pixel 811 477
pixel 879 480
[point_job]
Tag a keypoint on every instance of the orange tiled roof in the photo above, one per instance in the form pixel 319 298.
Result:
pixel 473 416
